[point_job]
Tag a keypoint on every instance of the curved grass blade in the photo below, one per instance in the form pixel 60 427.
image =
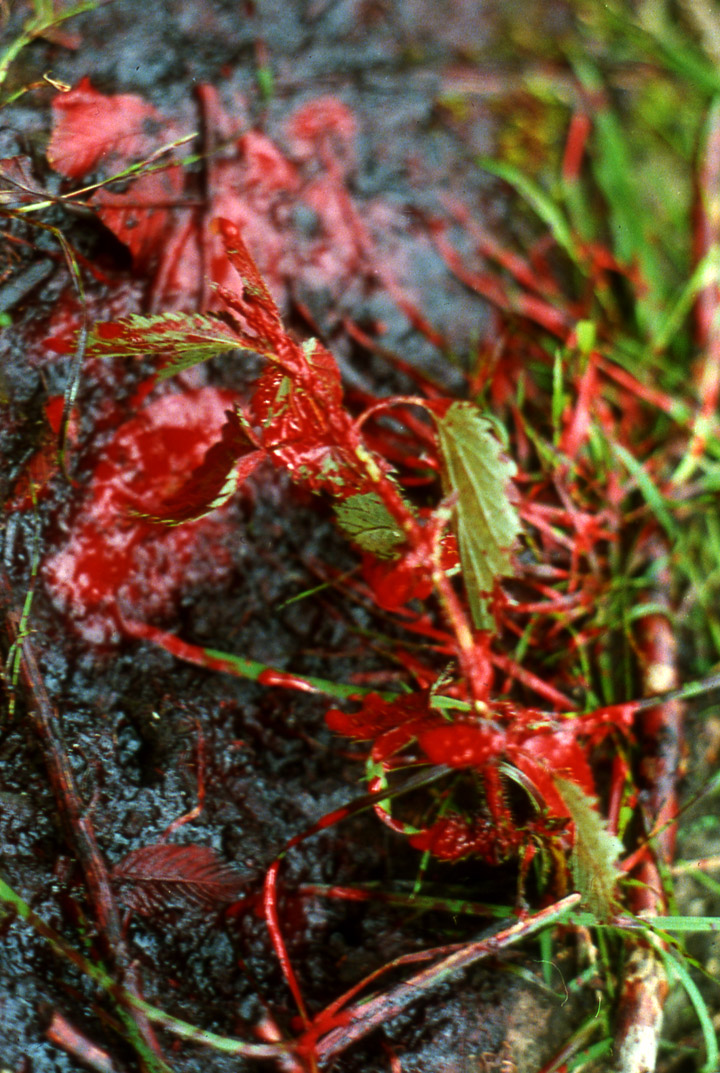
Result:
pixel 544 206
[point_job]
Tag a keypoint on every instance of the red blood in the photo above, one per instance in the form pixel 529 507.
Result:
pixel 58 335
pixel 462 744
pixel 266 169
pixel 113 562
pixel 256 185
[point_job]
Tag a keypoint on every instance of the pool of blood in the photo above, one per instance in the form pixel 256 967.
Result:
pixel 110 563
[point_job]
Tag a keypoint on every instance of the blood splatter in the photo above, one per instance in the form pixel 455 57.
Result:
pixel 113 562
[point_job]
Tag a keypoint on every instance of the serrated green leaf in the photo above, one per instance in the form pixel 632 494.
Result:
pixel 180 339
pixel 486 523
pixel 368 522
pixel 594 856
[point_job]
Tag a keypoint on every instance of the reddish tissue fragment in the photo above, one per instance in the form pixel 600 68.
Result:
pixel 112 563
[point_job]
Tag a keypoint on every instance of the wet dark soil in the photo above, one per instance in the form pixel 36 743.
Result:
pixel 143 730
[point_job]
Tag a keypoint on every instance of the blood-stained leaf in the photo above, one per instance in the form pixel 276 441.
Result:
pixel 179 340
pixel 369 523
pixel 486 522
pixel 595 851
pixel 112 559
pixel 227 464
pixel 298 405
pixel 141 217
pixel 161 875
pixel 255 289
pixel 378 715
pixel 462 745
pixel 266 167
pixel 393 724
pixel 395 583
pixel 453 837
pixel 17 183
pixel 91 128
pixel 557 749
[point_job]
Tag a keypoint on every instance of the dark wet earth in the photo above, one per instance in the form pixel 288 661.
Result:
pixel 143 730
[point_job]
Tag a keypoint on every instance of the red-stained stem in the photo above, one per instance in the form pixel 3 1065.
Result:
pixel 577 137
pixel 61 1033
pixel 707 238
pixel 273 924
pixel 466 649
pixel 364 1017
pixel 386 404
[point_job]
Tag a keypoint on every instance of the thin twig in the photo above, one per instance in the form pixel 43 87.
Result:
pixel 45 725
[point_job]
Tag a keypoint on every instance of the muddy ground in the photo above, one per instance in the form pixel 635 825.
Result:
pixel 141 727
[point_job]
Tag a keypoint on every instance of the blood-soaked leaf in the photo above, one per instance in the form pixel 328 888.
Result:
pixel 486 522
pixel 378 715
pixel 180 340
pixel 319 120
pixel 595 851
pixel 155 877
pixel 369 523
pixel 393 724
pixel 453 837
pixel 462 745
pixel 394 583
pixel 142 217
pixel 298 405
pixel 227 464
pixel 255 289
pixel 91 128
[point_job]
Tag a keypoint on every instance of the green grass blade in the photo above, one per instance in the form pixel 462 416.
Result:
pixel 547 209
pixel 675 968
pixel 650 492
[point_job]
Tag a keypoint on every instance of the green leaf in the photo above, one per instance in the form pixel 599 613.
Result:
pixel 594 856
pixel 368 522
pixel 180 339
pixel 486 522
